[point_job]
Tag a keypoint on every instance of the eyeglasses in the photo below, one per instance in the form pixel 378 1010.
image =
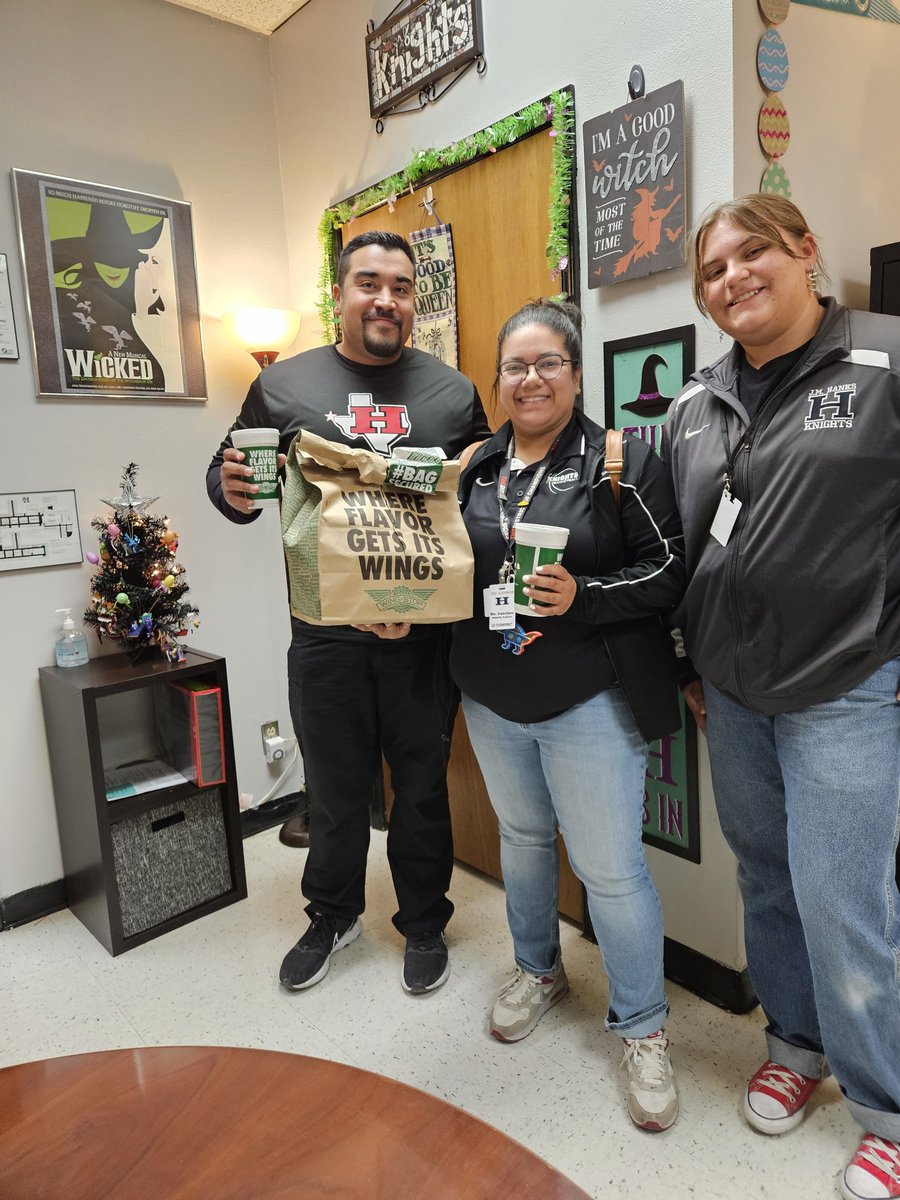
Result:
pixel 548 366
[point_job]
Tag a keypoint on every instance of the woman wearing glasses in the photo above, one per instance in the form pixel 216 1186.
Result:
pixel 561 707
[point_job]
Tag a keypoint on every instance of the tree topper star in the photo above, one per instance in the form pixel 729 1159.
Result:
pixel 129 497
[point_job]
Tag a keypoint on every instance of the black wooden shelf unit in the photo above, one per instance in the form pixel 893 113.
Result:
pixel 141 865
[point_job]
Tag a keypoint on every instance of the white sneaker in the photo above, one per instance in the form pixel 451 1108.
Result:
pixel 522 1002
pixel 652 1096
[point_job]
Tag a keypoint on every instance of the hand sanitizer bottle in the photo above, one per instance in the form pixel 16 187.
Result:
pixel 71 645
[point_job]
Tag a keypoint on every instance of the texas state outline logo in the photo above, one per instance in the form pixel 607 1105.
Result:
pixel 381 426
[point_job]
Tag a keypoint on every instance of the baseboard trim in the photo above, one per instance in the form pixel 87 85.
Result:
pixel 711 980
pixel 33 903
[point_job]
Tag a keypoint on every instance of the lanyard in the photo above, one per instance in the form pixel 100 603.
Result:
pixel 509 531
pixel 730 458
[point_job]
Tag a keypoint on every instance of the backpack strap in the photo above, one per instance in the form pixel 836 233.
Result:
pixel 614 460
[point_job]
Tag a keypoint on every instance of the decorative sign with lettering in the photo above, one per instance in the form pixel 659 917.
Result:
pixel 416 47
pixel 878 10
pixel 642 375
pixel 634 167
pixel 434 321
pixel 671 815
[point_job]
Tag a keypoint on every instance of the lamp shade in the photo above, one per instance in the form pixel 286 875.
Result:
pixel 262 330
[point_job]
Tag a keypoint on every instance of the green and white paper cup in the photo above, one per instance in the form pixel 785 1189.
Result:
pixel 260 447
pixel 536 546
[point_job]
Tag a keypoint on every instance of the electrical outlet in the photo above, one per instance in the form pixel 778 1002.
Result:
pixel 268 729
pixel 274 749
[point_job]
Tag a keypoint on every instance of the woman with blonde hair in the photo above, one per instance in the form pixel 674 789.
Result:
pixel 785 455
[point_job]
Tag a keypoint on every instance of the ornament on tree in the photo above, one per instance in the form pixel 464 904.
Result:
pixel 144 578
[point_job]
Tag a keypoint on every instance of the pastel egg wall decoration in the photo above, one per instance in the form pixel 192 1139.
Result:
pixel 774 127
pixel 772 63
pixel 775 181
pixel 775 11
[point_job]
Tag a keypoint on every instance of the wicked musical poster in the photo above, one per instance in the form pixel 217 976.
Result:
pixel 634 169
pixel 112 291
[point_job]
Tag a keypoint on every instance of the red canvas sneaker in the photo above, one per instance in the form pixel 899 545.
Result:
pixel 874 1171
pixel 776 1098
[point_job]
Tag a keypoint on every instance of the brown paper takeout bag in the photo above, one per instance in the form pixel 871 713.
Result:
pixel 360 550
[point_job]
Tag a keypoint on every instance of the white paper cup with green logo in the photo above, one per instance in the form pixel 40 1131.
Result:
pixel 536 546
pixel 260 447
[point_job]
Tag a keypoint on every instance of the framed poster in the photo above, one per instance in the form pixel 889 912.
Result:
pixel 9 346
pixel 642 375
pixel 635 182
pixel 112 291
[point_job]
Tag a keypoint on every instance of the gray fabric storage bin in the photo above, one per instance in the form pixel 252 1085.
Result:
pixel 169 860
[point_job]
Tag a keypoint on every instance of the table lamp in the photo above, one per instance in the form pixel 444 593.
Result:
pixel 263 331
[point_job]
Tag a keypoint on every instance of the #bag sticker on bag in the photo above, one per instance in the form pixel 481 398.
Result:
pixel 415 470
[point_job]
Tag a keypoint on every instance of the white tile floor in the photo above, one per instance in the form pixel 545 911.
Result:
pixel 559 1092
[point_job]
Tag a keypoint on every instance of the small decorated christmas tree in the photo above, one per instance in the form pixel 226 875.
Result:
pixel 137 593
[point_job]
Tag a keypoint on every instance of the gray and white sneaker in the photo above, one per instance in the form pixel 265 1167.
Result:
pixel 310 959
pixel 522 1002
pixel 652 1096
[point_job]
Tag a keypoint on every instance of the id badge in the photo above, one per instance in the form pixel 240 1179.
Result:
pixel 498 606
pixel 725 518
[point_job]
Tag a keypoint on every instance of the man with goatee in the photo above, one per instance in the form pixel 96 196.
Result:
pixel 358 692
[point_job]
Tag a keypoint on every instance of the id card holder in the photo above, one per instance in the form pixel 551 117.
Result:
pixel 725 518
pixel 498 606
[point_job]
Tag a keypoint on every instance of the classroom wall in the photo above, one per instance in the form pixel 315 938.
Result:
pixel 330 149
pixel 260 135
pixel 842 98
pixel 146 96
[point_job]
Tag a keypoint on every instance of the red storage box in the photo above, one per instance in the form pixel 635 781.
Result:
pixel 189 730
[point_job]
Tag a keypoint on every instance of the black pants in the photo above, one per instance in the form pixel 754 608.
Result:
pixel 349 701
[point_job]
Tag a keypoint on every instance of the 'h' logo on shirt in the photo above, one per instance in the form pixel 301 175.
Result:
pixel 381 425
pixel 830 408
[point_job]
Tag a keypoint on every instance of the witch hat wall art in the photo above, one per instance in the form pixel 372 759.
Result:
pixel 650 402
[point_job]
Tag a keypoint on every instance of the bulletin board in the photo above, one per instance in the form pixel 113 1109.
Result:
pixel 497 208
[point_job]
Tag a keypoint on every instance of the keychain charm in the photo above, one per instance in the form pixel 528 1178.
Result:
pixel 518 640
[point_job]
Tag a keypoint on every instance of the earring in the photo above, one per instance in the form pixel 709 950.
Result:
pixel 812 280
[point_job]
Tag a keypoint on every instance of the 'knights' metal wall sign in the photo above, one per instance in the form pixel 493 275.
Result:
pixel 415 48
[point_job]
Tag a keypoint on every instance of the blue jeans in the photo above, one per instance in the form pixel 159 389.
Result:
pixel 809 802
pixel 583 771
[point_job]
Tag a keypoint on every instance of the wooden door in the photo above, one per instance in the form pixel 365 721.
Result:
pixel 497 210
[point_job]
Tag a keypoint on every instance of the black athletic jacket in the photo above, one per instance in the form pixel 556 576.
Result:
pixel 804 601
pixel 643 570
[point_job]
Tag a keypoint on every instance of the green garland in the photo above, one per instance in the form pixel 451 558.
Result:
pixel 558 112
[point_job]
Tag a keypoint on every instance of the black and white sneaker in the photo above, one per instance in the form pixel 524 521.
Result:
pixel 310 959
pixel 426 964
